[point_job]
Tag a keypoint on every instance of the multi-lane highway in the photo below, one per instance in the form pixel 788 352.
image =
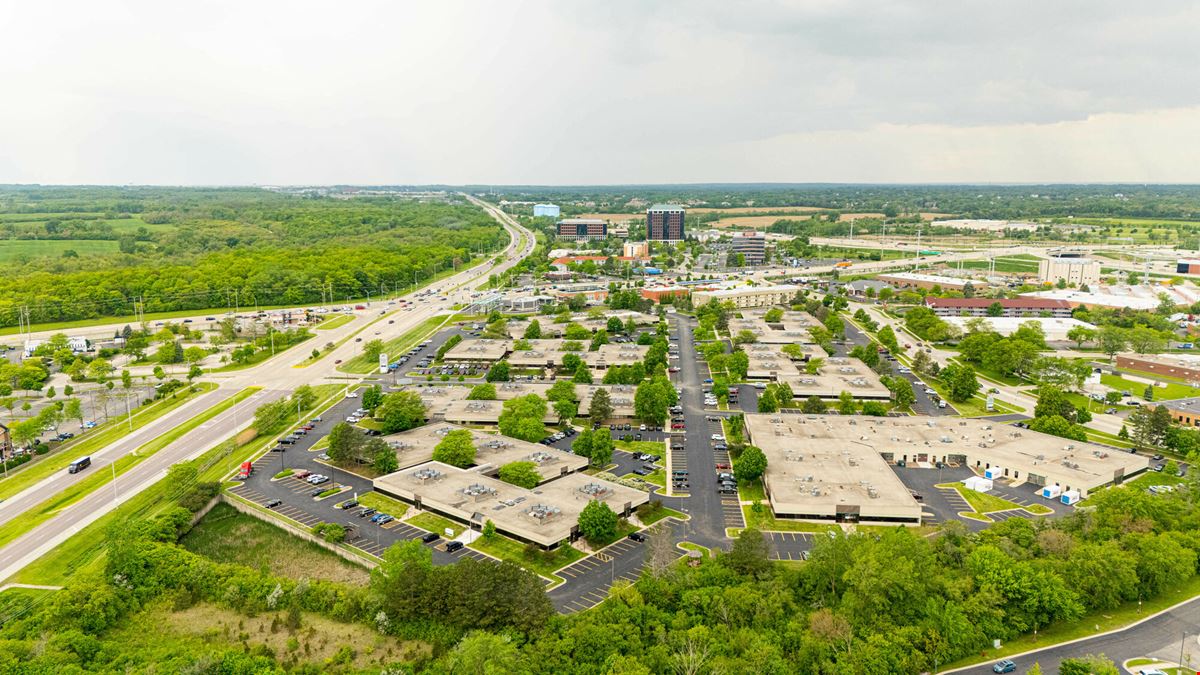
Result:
pixel 276 377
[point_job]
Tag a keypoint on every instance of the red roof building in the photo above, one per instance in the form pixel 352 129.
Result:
pixel 1023 306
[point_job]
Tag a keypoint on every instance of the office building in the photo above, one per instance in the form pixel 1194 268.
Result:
pixel 752 246
pixel 1072 269
pixel 664 222
pixel 547 210
pixel 636 249
pixel 582 228
pixel 750 296
pixel 1021 306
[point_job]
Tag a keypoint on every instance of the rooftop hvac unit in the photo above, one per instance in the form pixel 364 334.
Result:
pixel 837 360
pixel 947 439
pixel 846 369
pixel 478 490
pixel 541 457
pixel 859 382
pixel 816 492
pixel 443 431
pixel 595 490
pixel 427 474
pixel 872 493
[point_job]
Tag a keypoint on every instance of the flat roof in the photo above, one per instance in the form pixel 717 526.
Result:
pixel 1022 302
pixel 481 349
pixel 839 374
pixel 808 478
pixel 1172 360
pixel 546 515
pixel 1071 464
pixel 665 207
pixel 929 278
pixel 619 395
pixel 1054 328
pixel 483 412
pixel 492 451
pixel 750 290
pixel 618 354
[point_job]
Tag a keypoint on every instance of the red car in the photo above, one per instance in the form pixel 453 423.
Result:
pixel 722 467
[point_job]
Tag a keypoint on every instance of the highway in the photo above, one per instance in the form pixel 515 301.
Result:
pixel 277 377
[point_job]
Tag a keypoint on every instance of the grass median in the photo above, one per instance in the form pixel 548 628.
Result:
pixel 536 560
pixel 104 476
pixel 83 553
pixel 103 436
pixel 362 366
pixel 335 322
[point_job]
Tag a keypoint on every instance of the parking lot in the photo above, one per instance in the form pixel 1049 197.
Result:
pixel 588 580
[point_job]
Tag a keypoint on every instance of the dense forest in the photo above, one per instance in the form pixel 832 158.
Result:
pixel 886 600
pixel 185 249
pixel 969 201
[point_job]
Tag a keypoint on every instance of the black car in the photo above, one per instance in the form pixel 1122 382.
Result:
pixel 273 503
pixel 637 536
pixel 430 536
pixel 349 504
pixel 365 512
pixel 452 546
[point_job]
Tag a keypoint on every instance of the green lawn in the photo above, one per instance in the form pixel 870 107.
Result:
pixel 661 513
pixel 763 519
pixel 285 473
pixel 332 322
pixel 91 441
pixel 1171 391
pixel 258 357
pixel 225 535
pixel 13 249
pixel 360 365
pixel 1154 478
pixel 98 479
pixel 752 491
pixel 539 562
pixel 689 546
pixel 983 502
pixel 647 447
pixel 624 529
pixel 435 523
pixel 383 504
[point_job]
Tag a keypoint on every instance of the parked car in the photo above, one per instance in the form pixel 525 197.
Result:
pixel 273 503
pixel 637 536
pixel 452 546
pixel 1005 666
pixel 430 537
pixel 365 512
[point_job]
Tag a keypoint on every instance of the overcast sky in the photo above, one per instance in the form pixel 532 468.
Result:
pixel 563 92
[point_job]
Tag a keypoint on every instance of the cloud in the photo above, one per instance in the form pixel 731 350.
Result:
pixel 563 92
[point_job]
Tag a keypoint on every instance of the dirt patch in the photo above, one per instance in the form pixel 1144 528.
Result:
pixel 316 640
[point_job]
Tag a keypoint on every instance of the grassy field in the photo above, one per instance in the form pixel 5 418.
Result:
pixel 646 447
pixel 1015 263
pixel 539 562
pixel 14 249
pixel 98 479
pixel 662 513
pixel 226 535
pixel 361 366
pixel 335 321
pixel 763 519
pixel 383 504
pixel 435 523
pixel 83 553
pixel 161 630
pixel 90 442
pixel 257 358
pixel 1171 391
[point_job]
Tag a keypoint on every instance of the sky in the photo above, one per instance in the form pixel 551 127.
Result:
pixel 603 92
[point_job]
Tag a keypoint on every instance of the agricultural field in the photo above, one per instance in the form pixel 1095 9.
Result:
pixel 226 535
pixel 25 249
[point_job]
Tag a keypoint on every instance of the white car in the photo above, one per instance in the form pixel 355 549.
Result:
pixel 719 437
pixel 929 391
pixel 353 394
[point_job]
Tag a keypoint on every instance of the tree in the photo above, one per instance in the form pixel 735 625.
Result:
pixel 400 411
pixel 194 355
pixel 533 331
pixel 600 449
pixel 482 392
pixel 1145 340
pixel 159 373
pixel 566 409
pixel 960 382
pixel 523 474
pixel 498 372
pixel 995 309
pixel 1080 335
pixel 1111 339
pixel 583 374
pixel 1148 392
pixel 522 418
pixel 560 390
pixel 651 401
pixel 73 409
pixel 194 372
pixel 751 464
pixel 1056 425
pixel 1052 401
pixel 99 370
pixel 749 554
pixel 922 363
pixel 888 338
pixel 372 397
pixel 597 522
pixel 767 402
pixel 9 402
pixel 344 443
pixel 813 405
pixel 875 408
pixel 456 448
pixel 600 408
pixel 372 349
pixel 773 315
pixel 384 460
pixel 846 405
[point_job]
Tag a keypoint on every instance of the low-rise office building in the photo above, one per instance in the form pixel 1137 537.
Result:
pixel 1055 329
pixel 1180 366
pixel 838 374
pixel 1024 306
pixel 546 516
pixel 546 210
pixel 481 350
pixel 752 246
pixel 484 412
pixel 749 296
pixel 492 451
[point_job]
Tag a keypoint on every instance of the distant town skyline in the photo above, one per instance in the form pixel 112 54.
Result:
pixel 574 93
